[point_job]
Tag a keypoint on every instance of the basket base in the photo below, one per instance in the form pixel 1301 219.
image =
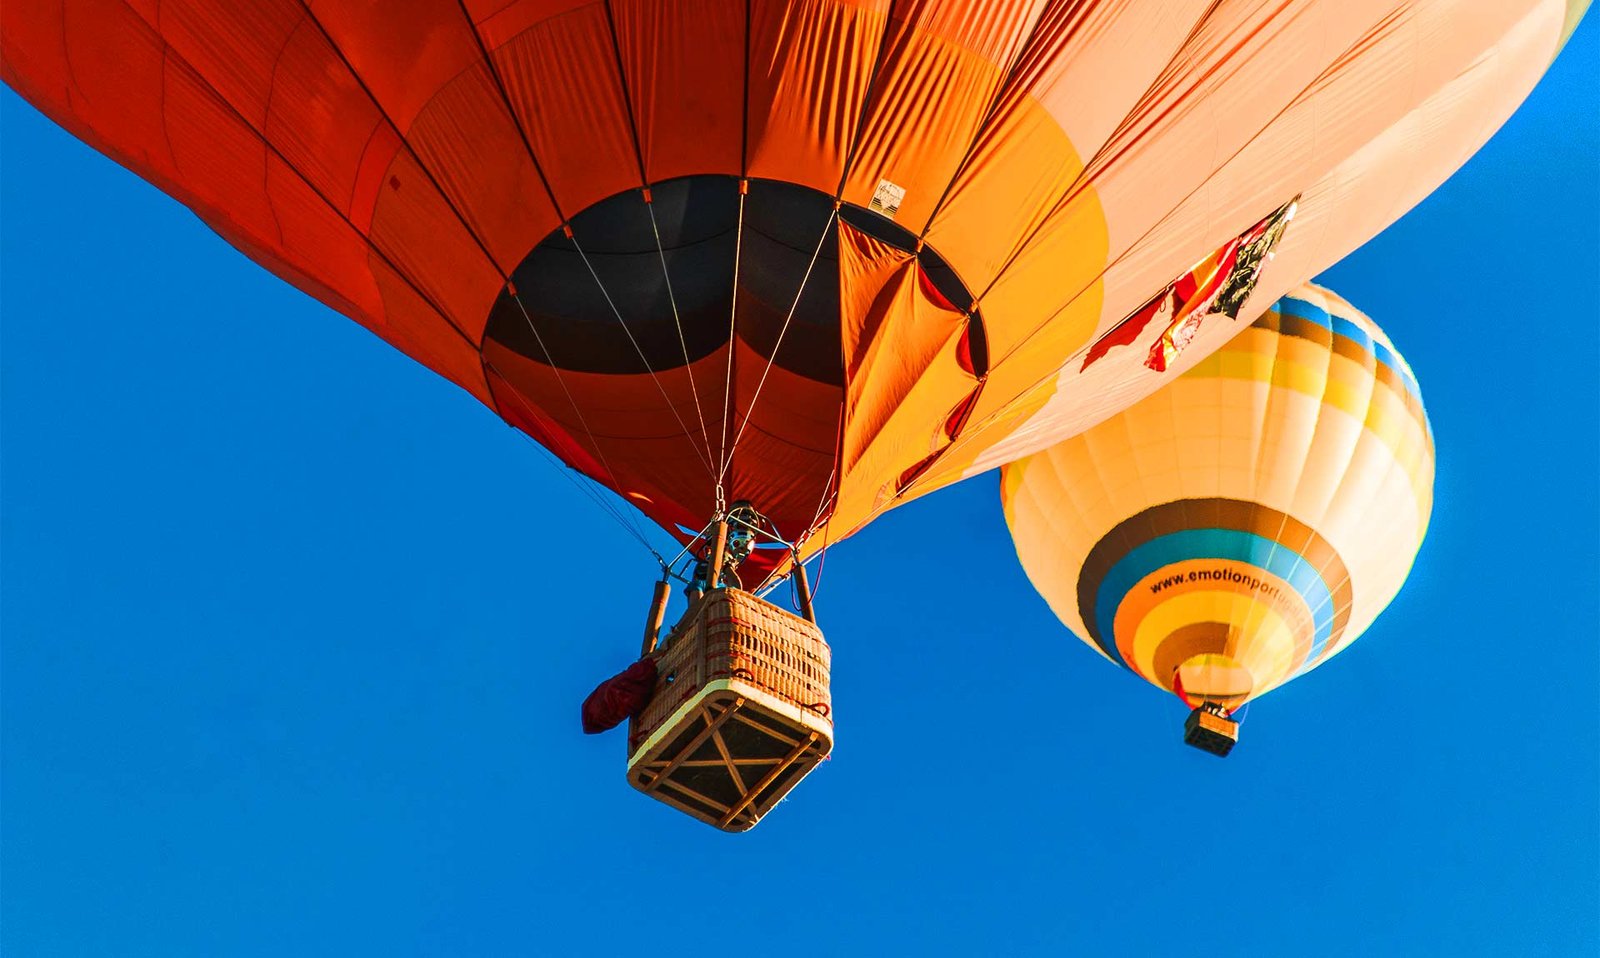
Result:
pixel 1210 732
pixel 729 754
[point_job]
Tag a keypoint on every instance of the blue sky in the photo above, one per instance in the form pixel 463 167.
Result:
pixel 280 679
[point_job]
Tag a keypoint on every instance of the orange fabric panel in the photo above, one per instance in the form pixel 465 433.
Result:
pixel 1398 168
pixel 627 433
pixel 943 66
pixel 903 379
pixel 684 62
pixel 911 440
pixel 560 73
pixel 810 65
pixel 892 336
pixel 785 458
pixel 1227 83
pixel 103 84
pixel 1085 67
pixel 1340 109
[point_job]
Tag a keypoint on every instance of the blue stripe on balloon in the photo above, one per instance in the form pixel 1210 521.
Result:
pixel 1221 544
pixel 1308 311
pixel 1311 312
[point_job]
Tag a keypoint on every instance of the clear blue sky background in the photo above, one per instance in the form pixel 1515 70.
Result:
pixel 279 680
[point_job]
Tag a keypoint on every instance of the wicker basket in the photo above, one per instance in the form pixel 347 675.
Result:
pixel 1211 732
pixel 741 711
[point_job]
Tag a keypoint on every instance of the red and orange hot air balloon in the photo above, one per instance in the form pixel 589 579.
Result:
pixel 820 255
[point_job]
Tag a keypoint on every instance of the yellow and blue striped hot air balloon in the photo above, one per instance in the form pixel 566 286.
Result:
pixel 1246 522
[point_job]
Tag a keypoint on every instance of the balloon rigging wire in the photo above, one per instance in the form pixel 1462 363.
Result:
pixel 642 358
pixel 787 320
pixel 582 421
pixel 589 489
pixel 677 321
pixel 724 457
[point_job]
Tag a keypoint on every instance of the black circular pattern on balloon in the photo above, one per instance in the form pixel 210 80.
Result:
pixel 698 221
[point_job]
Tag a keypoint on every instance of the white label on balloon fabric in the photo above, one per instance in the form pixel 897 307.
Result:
pixel 886 198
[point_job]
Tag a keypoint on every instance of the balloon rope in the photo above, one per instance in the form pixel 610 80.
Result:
pixel 593 442
pixel 724 458
pixel 610 508
pixel 688 369
pixel 1177 689
pixel 636 348
pixel 762 382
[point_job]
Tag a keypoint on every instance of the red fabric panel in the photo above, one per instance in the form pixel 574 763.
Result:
pixel 403 50
pixel 560 73
pixel 684 61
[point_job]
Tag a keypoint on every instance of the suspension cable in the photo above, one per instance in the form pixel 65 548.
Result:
pixel 677 321
pixel 610 508
pixel 595 495
pixel 724 457
pixel 571 400
pixel 638 349
pixel 750 409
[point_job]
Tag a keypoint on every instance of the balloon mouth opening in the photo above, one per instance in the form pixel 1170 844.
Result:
pixel 721 241
pixel 1212 678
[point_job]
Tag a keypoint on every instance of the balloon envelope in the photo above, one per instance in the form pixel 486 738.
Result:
pixel 819 255
pixel 1248 521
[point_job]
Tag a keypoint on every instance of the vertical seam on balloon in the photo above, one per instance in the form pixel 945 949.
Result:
pixel 406 143
pixel 1317 654
pixel 1000 95
pixel 66 58
pixel 1337 640
pixel 494 404
pixel 617 313
pixel 161 107
pixel 744 101
pixel 1097 161
pixel 627 97
pixel 511 111
pixel 724 455
pixel 266 115
pixel 835 472
pixel 1021 247
pixel 583 421
pixel 261 133
pixel 644 183
pixel 868 100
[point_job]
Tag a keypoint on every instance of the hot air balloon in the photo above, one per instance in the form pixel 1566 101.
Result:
pixel 1245 523
pixel 815 257
pixel 820 255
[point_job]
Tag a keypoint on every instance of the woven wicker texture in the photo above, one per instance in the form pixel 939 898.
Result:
pixel 740 713
pixel 734 635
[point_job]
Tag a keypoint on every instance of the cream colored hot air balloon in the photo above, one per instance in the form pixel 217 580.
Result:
pixel 1245 523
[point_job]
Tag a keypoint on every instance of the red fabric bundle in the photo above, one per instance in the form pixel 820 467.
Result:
pixel 620 697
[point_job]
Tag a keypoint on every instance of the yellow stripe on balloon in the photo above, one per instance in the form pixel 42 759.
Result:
pixel 1139 639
